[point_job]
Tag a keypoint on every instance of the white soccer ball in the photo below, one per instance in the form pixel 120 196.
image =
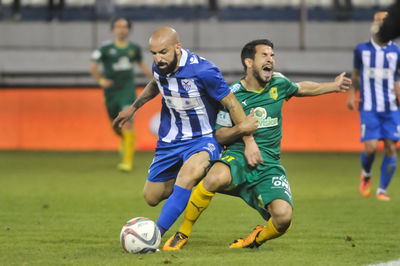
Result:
pixel 140 235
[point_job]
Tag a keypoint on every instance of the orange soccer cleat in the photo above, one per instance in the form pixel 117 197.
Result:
pixel 176 242
pixel 248 242
pixel 365 188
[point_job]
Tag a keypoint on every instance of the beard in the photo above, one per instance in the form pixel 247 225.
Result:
pixel 170 67
pixel 261 80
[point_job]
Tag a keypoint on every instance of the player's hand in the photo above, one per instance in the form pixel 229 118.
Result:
pixel 352 100
pixel 105 83
pixel 252 152
pixel 342 83
pixel 123 117
pixel 249 124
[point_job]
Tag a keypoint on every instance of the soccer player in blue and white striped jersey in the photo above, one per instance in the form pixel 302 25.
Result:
pixel 192 89
pixel 376 66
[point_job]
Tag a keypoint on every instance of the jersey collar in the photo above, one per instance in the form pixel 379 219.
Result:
pixel 377 47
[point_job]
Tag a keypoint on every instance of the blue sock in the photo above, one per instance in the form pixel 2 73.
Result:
pixel 366 163
pixel 173 207
pixel 387 170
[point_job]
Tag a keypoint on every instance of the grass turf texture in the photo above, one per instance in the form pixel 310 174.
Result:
pixel 67 208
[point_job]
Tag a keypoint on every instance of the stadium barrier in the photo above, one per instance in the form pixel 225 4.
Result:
pixel 76 119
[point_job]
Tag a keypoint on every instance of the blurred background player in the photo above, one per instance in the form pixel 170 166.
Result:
pixel 390 28
pixel 118 81
pixel 376 66
pixel 264 187
pixel 191 89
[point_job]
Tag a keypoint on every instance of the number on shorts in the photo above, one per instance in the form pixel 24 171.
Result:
pixel 228 158
pixel 362 130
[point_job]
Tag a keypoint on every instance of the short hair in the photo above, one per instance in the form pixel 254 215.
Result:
pixel 249 50
pixel 115 19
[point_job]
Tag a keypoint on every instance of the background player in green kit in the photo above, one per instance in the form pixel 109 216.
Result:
pixel 118 80
pixel 262 185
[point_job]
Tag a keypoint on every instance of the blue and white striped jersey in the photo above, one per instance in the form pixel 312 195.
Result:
pixel 378 71
pixel 190 98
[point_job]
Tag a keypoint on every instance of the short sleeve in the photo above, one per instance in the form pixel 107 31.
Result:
pixel 214 83
pixel 292 89
pixel 138 57
pixel 357 62
pixel 96 55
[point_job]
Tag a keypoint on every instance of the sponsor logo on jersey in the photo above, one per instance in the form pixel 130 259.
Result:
pixel 179 103
pixel 281 182
pixel 224 119
pixel 263 120
pixel 273 93
pixel 193 60
pixel 122 64
pixel 235 87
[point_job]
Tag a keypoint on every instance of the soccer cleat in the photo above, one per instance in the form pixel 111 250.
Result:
pixel 125 167
pixel 382 197
pixel 365 184
pixel 176 242
pixel 248 242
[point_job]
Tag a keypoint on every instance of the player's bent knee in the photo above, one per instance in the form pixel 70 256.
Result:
pixel 151 199
pixel 217 178
pixel 281 212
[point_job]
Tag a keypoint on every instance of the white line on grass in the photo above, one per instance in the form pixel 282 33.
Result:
pixel 389 263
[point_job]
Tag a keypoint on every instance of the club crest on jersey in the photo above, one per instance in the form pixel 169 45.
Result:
pixel 187 84
pixel 131 53
pixel 273 93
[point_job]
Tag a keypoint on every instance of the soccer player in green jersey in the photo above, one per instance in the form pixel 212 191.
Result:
pixel 118 81
pixel 262 185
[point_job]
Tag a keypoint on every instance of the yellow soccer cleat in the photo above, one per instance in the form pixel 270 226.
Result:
pixel 124 167
pixel 382 197
pixel 176 242
pixel 365 188
pixel 248 242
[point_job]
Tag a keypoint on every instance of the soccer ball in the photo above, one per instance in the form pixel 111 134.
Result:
pixel 140 235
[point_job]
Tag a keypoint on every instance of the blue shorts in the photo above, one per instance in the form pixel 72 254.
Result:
pixel 380 125
pixel 169 157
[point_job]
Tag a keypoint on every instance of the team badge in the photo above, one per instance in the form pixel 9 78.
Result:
pixel 273 93
pixel 131 53
pixel 187 84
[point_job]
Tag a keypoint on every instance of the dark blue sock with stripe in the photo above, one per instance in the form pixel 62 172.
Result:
pixel 366 162
pixel 387 170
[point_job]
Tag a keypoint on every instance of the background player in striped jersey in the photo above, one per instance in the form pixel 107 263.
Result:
pixel 118 80
pixel 264 187
pixel 376 66
pixel 191 89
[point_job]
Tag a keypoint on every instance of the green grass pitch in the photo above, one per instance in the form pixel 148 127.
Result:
pixel 67 208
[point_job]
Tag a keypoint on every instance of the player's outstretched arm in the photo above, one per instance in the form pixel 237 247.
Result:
pixel 310 88
pixel 149 92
